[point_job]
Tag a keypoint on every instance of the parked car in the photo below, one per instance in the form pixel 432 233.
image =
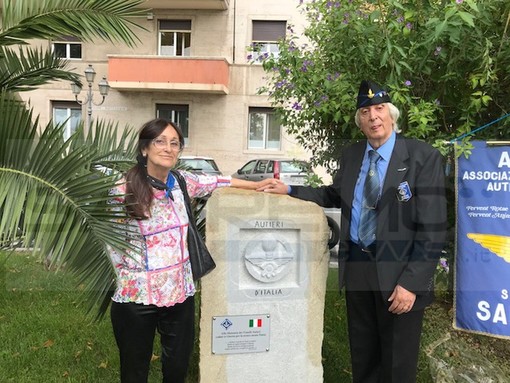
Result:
pixel 290 171
pixel 199 164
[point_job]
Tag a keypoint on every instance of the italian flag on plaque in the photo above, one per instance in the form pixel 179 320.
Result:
pixel 255 323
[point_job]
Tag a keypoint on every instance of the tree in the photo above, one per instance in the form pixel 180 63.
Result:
pixel 53 198
pixel 446 64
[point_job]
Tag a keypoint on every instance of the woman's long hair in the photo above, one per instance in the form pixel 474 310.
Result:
pixel 138 189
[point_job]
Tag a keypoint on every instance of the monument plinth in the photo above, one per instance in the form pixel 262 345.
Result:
pixel 262 307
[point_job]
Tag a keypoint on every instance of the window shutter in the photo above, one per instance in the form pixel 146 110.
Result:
pixel 255 109
pixel 173 107
pixel 266 30
pixel 65 105
pixel 67 39
pixel 175 25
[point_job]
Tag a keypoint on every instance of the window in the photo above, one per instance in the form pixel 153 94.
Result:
pixel 248 168
pixel 261 167
pixel 175 37
pixel 265 37
pixel 67 112
pixel 176 113
pixel 265 129
pixel 67 47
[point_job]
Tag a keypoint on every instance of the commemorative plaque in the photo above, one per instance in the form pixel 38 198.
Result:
pixel 240 334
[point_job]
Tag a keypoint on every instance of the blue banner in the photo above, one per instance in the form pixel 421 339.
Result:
pixel 482 278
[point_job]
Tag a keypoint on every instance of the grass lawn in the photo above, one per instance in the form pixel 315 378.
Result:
pixel 46 336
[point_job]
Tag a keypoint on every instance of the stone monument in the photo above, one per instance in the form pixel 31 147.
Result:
pixel 262 307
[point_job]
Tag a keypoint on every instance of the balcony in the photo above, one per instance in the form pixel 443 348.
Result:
pixel 170 74
pixel 219 5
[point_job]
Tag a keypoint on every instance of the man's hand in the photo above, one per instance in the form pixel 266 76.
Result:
pixel 402 300
pixel 266 183
pixel 276 187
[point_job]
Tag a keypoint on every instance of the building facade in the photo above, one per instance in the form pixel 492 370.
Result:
pixel 191 66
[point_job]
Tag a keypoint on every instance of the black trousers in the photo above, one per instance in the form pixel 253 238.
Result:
pixel 384 346
pixel 134 327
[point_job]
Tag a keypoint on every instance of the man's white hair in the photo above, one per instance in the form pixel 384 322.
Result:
pixel 394 113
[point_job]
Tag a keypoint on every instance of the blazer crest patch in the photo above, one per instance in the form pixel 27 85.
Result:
pixel 404 192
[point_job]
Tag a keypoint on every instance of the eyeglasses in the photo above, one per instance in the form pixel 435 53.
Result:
pixel 160 143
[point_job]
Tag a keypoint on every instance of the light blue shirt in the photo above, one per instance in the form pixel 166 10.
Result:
pixel 382 166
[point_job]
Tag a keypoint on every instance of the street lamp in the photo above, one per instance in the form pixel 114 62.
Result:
pixel 90 74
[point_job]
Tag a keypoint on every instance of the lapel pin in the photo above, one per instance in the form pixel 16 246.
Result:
pixel 404 192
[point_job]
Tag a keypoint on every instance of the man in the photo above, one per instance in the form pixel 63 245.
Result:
pixel 393 228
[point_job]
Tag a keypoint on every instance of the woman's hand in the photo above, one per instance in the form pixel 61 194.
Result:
pixel 270 185
pixel 252 185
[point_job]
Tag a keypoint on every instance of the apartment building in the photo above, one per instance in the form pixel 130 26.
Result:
pixel 190 66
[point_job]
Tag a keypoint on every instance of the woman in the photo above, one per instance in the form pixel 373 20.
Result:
pixel 155 287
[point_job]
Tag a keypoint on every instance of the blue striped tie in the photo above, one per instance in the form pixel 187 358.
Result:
pixel 368 218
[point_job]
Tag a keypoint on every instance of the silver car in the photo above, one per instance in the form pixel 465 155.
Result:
pixel 290 171
pixel 199 164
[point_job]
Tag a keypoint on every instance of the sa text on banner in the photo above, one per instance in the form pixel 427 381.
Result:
pixel 482 277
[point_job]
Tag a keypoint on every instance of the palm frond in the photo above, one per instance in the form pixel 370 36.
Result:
pixel 51 201
pixel 52 198
pixel 110 20
pixel 27 69
pixel 16 134
pixel 118 146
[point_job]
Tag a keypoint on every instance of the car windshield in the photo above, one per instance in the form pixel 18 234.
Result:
pixel 200 164
pixel 294 167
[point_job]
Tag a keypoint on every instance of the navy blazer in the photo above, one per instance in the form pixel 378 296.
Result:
pixel 411 232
